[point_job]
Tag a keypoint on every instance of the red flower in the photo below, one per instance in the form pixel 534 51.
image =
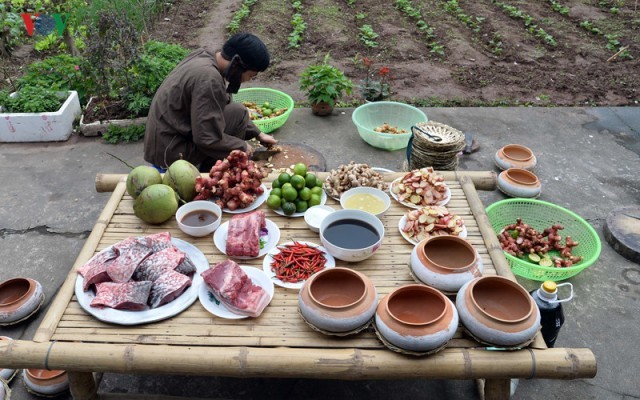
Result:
pixel 367 62
pixel 384 71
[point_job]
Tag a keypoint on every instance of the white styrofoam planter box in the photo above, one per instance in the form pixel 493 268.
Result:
pixel 100 127
pixel 41 127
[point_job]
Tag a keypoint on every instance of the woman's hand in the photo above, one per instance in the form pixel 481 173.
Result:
pixel 266 140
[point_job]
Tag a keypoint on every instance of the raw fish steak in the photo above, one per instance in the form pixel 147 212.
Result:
pixel 122 268
pixel 130 296
pixel 169 285
pixel 100 258
pixel 154 265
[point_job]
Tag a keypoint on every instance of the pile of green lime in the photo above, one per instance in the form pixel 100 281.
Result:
pixel 295 193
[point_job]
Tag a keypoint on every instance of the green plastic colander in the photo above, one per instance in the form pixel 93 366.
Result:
pixel 277 99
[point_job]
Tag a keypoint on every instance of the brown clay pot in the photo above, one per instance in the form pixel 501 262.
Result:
pixel 19 298
pixel 518 182
pixel 416 318
pixel 45 382
pixel 445 262
pixel 321 109
pixel 498 311
pixel 515 156
pixel 338 300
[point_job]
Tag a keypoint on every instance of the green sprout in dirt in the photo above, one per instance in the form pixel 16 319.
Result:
pixel 125 134
pixel 559 8
pixel 299 26
pixel 241 14
pixel 368 36
pixel 454 9
pixel 409 10
pixel 529 22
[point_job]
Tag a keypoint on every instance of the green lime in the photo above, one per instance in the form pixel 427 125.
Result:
pixel 276 192
pixel 305 193
pixel 273 202
pixel 545 262
pixel 289 192
pixel 276 184
pixel 288 208
pixel 534 257
pixel 301 206
pixel 300 169
pixel 319 182
pixel 310 180
pixel 314 200
pixel 266 112
pixel 317 190
pixel 284 178
pixel 266 104
pixel 297 181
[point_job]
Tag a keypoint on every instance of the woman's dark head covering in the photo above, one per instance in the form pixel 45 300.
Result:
pixel 246 53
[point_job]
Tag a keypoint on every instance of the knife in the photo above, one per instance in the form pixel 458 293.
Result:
pixel 263 154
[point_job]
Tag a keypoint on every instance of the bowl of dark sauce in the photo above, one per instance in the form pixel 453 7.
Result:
pixel 351 235
pixel 199 218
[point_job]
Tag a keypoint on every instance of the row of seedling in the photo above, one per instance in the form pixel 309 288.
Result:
pixel 529 22
pixel 408 9
pixel 475 24
pixel 366 34
pixel 241 14
pixel 559 8
pixel 298 25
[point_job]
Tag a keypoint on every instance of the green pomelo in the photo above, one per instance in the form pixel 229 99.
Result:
pixel 141 177
pixel 156 204
pixel 181 177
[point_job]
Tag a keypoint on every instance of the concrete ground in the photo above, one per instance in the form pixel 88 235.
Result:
pixel 588 162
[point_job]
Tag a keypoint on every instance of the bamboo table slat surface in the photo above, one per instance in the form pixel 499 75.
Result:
pixel 278 343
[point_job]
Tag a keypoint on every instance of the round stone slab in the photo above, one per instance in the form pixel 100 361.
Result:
pixel 622 231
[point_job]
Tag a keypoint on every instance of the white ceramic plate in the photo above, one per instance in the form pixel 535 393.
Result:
pixel 256 203
pixel 323 200
pixel 217 308
pixel 447 196
pixel 266 265
pixel 403 222
pixel 124 317
pixel 271 240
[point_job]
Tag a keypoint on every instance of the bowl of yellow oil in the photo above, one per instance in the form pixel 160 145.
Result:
pixel 372 200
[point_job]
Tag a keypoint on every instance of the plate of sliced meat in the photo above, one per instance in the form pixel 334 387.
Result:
pixel 141 279
pixel 235 291
pixel 254 205
pixel 246 236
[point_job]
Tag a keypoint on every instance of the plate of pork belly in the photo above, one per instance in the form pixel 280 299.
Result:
pixel 235 291
pixel 141 279
pixel 246 236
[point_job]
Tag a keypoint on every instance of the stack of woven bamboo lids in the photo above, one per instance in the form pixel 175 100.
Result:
pixel 435 145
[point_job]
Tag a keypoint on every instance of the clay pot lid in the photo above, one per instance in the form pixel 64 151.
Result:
pixel 337 288
pixel 448 252
pixel 44 374
pixel 522 176
pixel 501 299
pixel 14 290
pixel 517 152
pixel 416 305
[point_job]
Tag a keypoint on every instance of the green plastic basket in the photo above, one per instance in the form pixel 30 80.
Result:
pixel 540 215
pixel 277 99
pixel 371 115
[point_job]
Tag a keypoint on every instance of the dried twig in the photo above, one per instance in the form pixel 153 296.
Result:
pixel 613 57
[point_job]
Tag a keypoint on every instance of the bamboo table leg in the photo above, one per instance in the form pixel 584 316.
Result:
pixel 497 389
pixel 83 386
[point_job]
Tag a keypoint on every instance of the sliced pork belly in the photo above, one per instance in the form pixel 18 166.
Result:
pixel 130 296
pixel 243 237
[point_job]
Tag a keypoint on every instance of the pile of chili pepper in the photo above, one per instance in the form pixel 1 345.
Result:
pixel 297 262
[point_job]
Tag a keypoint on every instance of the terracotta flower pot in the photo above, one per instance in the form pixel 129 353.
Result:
pixel 7 374
pixel 45 382
pixel 498 311
pixel 416 318
pixel 518 182
pixel 515 156
pixel 321 109
pixel 445 262
pixel 19 299
pixel 338 300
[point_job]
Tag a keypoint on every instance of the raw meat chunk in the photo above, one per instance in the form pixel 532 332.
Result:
pixel 169 285
pixel 131 255
pixel 100 258
pixel 130 296
pixel 154 265
pixel 243 237
pixel 156 241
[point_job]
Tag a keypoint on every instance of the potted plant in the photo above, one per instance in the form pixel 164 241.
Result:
pixel 375 86
pixel 37 114
pixel 324 84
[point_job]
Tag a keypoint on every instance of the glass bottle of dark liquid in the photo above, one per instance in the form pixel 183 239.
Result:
pixel 551 314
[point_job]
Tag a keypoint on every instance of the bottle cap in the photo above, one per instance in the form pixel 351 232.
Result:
pixel 549 286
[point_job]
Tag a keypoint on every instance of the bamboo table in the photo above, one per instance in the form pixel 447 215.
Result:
pixel 278 343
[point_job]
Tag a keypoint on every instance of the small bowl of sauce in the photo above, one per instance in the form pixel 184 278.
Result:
pixel 351 235
pixel 199 218
pixel 372 200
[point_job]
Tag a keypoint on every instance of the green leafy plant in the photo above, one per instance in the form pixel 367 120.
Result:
pixel 368 36
pixel 130 133
pixel 240 14
pixel 324 83
pixel 60 72
pixel 31 99
pixel 414 13
pixel 299 26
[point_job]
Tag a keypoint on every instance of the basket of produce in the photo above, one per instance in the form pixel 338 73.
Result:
pixel 386 124
pixel 543 241
pixel 269 109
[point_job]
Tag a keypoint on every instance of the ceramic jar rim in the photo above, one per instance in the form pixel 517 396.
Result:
pixel 510 174
pixel 334 271
pixel 423 288
pixel 505 151
pixel 23 295
pixel 50 374
pixel 509 282
pixel 422 254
